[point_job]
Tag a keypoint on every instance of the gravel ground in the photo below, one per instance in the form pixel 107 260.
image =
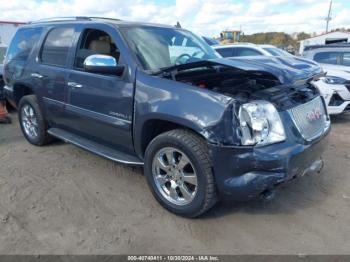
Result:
pixel 60 199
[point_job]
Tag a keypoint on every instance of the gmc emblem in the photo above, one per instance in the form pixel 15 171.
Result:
pixel 314 115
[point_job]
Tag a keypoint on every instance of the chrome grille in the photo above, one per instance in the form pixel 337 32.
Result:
pixel 310 118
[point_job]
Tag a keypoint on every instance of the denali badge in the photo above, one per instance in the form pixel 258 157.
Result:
pixel 314 115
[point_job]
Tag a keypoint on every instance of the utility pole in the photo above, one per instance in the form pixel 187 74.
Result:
pixel 329 18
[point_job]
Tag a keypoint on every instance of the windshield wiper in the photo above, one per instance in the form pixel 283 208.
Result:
pixel 167 71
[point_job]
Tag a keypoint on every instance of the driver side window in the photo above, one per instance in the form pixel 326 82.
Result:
pixel 95 42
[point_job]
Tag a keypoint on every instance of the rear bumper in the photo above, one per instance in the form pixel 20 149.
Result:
pixel 245 173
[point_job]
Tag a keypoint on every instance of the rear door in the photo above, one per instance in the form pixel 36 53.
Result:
pixel 51 71
pixel 99 107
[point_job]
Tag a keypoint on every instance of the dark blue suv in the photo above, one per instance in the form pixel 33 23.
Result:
pixel 204 127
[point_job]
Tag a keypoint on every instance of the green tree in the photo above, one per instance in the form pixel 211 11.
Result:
pixel 302 36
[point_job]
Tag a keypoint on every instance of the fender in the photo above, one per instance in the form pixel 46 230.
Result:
pixel 184 105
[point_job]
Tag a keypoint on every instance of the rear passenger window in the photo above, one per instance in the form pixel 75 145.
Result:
pixel 243 51
pixel 56 46
pixel 327 57
pixel 225 52
pixel 23 43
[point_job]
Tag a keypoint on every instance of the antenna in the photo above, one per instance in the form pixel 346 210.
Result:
pixel 329 18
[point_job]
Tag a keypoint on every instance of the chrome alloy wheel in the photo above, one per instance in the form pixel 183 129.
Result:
pixel 174 176
pixel 29 121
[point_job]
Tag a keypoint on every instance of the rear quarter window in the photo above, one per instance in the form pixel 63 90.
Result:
pixel 23 43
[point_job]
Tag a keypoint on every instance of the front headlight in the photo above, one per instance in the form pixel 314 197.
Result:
pixel 333 80
pixel 260 124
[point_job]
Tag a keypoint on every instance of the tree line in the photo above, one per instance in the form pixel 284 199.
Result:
pixel 282 39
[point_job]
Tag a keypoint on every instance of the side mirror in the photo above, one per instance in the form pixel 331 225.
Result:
pixel 103 64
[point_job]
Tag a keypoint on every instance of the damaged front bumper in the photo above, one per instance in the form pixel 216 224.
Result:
pixel 337 97
pixel 243 173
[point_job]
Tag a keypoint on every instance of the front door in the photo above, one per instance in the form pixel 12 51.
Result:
pixel 99 107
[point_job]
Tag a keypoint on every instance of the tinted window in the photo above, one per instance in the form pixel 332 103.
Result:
pixel 23 43
pixel 244 51
pixel 327 57
pixel 346 59
pixel 225 52
pixel 56 46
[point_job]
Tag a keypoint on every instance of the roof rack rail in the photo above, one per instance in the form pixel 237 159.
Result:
pixel 71 18
pixel 104 18
pixel 58 19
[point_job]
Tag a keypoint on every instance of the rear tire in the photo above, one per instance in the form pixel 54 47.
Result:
pixel 32 121
pixel 189 191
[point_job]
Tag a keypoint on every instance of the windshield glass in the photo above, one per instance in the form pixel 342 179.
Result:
pixel 276 51
pixel 156 47
pixel 2 54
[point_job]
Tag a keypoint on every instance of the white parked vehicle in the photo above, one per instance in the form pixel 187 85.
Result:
pixel 248 49
pixel 335 86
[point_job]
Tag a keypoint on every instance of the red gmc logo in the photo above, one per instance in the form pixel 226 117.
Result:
pixel 314 115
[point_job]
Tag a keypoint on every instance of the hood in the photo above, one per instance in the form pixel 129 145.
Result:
pixel 336 70
pixel 288 70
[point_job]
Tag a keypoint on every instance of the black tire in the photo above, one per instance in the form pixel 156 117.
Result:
pixel 196 150
pixel 42 137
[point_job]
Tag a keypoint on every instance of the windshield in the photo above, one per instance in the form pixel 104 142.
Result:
pixel 157 48
pixel 2 54
pixel 276 52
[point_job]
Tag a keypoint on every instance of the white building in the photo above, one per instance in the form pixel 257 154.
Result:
pixel 7 30
pixel 327 38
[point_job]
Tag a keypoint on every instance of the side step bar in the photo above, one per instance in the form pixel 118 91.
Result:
pixel 96 148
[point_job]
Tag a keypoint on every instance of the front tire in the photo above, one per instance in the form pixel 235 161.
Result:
pixel 178 171
pixel 32 121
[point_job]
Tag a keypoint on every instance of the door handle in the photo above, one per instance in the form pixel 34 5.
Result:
pixel 74 85
pixel 36 75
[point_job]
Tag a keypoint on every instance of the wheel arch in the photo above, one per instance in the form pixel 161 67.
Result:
pixel 20 90
pixel 151 128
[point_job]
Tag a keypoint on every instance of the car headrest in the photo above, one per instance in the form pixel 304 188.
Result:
pixel 100 46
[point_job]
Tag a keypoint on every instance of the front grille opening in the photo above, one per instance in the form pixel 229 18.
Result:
pixel 335 100
pixel 310 118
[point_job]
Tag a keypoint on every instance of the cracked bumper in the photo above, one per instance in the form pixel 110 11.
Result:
pixel 245 173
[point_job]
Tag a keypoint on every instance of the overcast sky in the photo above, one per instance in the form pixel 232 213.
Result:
pixel 205 17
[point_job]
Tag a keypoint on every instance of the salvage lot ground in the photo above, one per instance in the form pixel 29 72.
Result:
pixel 61 199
